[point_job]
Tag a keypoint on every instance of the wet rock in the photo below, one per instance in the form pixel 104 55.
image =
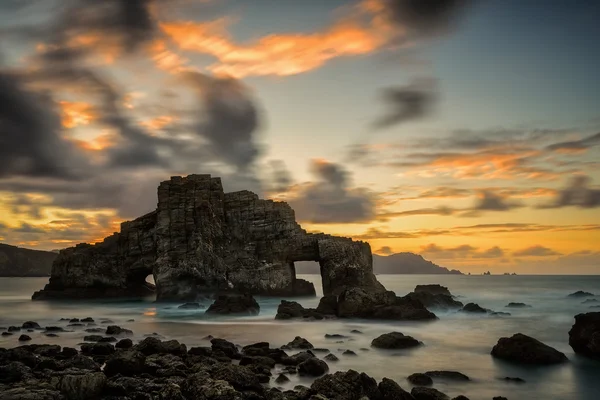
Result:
pixel 24 338
pixel 95 330
pixel 331 357
pixel 294 310
pixel 298 343
pixel 313 367
pixel 580 294
pixel 117 330
pixel 390 390
pixel 513 380
pixel 395 340
pixel 356 331
pixel 126 363
pixel 88 320
pixel 107 321
pixel 258 360
pixel 450 375
pixel 297 358
pixel 588 301
pixel 240 377
pixel 460 397
pixel 328 305
pixel 97 349
pixel 524 349
pixel 92 338
pixel 584 336
pixel 435 301
pixel 349 353
pixel 14 329
pixel 82 387
pixel 426 393
pixel 51 334
pixel 474 308
pixel 281 379
pixel 243 304
pixel 226 347
pixel 419 379
pixel 7 333
pixel 499 398
pixel 201 388
pixel 335 336
pixel 190 306
pixel 68 352
pixel 518 305
pixel 320 350
pixel 433 289
pixel 349 385
pixel 30 325
pixel 54 329
pixel 108 339
pixel 500 314
pixel 27 393
pixel 14 372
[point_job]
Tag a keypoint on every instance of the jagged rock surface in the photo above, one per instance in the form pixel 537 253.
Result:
pixel 201 239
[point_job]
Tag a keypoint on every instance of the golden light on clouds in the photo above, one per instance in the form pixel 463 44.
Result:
pixel 99 143
pixel 158 123
pixel 76 113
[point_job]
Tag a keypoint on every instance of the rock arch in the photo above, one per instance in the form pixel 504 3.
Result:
pixel 201 240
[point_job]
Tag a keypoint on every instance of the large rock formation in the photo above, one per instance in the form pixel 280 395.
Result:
pixel 201 240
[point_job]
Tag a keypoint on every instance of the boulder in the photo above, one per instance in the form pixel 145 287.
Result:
pixel 240 377
pixel 385 305
pixel 524 349
pixel 97 349
pixel 517 305
pixel 127 363
pixel 419 379
pixel 117 330
pixel 229 349
pixel 449 375
pixel 584 336
pixel 427 393
pixel 433 289
pixel 298 343
pixel 24 338
pixel 328 305
pixel 82 387
pixel 349 385
pixel 432 300
pixel 395 340
pixel 313 367
pixel 390 390
pixel 124 344
pixel 234 304
pixel 474 308
pixel 331 357
pixel 30 325
pixel 294 310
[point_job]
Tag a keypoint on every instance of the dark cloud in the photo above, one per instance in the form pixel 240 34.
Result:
pixel 407 103
pixel 583 144
pixel 230 119
pixel 578 193
pixel 425 18
pixel 536 251
pixel 281 178
pixel 494 252
pixel 330 199
pixel 30 141
pixel 490 201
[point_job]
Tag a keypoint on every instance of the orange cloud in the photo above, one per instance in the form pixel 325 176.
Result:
pixel 166 59
pixel 74 114
pixel 98 143
pixel 158 122
pixel 276 54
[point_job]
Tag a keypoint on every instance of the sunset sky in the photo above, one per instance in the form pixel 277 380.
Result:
pixel 465 131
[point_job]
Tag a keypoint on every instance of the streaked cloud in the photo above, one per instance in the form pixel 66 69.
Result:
pixel 536 251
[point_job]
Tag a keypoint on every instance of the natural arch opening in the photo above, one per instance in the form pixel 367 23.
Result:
pixel 140 282
pixel 310 271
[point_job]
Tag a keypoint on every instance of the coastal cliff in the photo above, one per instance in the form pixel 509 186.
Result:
pixel 19 262
pixel 202 240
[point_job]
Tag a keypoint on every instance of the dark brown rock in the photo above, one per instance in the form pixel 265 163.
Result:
pixel 523 349
pixel 433 289
pixel 349 385
pixel 395 340
pixel 313 367
pixel 427 393
pixel 234 304
pixel 390 390
pixel 450 375
pixel 419 379
pixel 474 308
pixel 584 336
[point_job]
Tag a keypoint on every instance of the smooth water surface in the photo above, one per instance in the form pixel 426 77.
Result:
pixel 456 341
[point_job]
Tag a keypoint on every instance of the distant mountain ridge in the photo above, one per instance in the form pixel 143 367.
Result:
pixel 19 262
pixel 399 263
pixel 408 263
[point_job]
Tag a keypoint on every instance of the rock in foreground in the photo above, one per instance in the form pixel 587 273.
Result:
pixel 584 336
pixel 524 349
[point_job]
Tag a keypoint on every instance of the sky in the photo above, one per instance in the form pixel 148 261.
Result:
pixel 467 131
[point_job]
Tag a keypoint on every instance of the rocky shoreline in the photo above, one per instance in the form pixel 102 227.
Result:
pixel 109 365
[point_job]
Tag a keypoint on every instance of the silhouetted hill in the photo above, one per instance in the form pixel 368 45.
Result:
pixel 16 261
pixel 399 263
pixel 408 263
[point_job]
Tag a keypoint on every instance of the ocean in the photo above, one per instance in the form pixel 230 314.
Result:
pixel 457 341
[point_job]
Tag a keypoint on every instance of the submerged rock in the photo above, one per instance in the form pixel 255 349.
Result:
pixel 30 325
pixel 474 308
pixel 395 340
pixel 426 393
pixel 435 300
pixel 524 349
pixel 518 305
pixel 234 304
pixel 450 375
pixel 419 379
pixel 298 343
pixel 584 336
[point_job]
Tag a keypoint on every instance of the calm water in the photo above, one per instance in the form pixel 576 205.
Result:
pixel 457 342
